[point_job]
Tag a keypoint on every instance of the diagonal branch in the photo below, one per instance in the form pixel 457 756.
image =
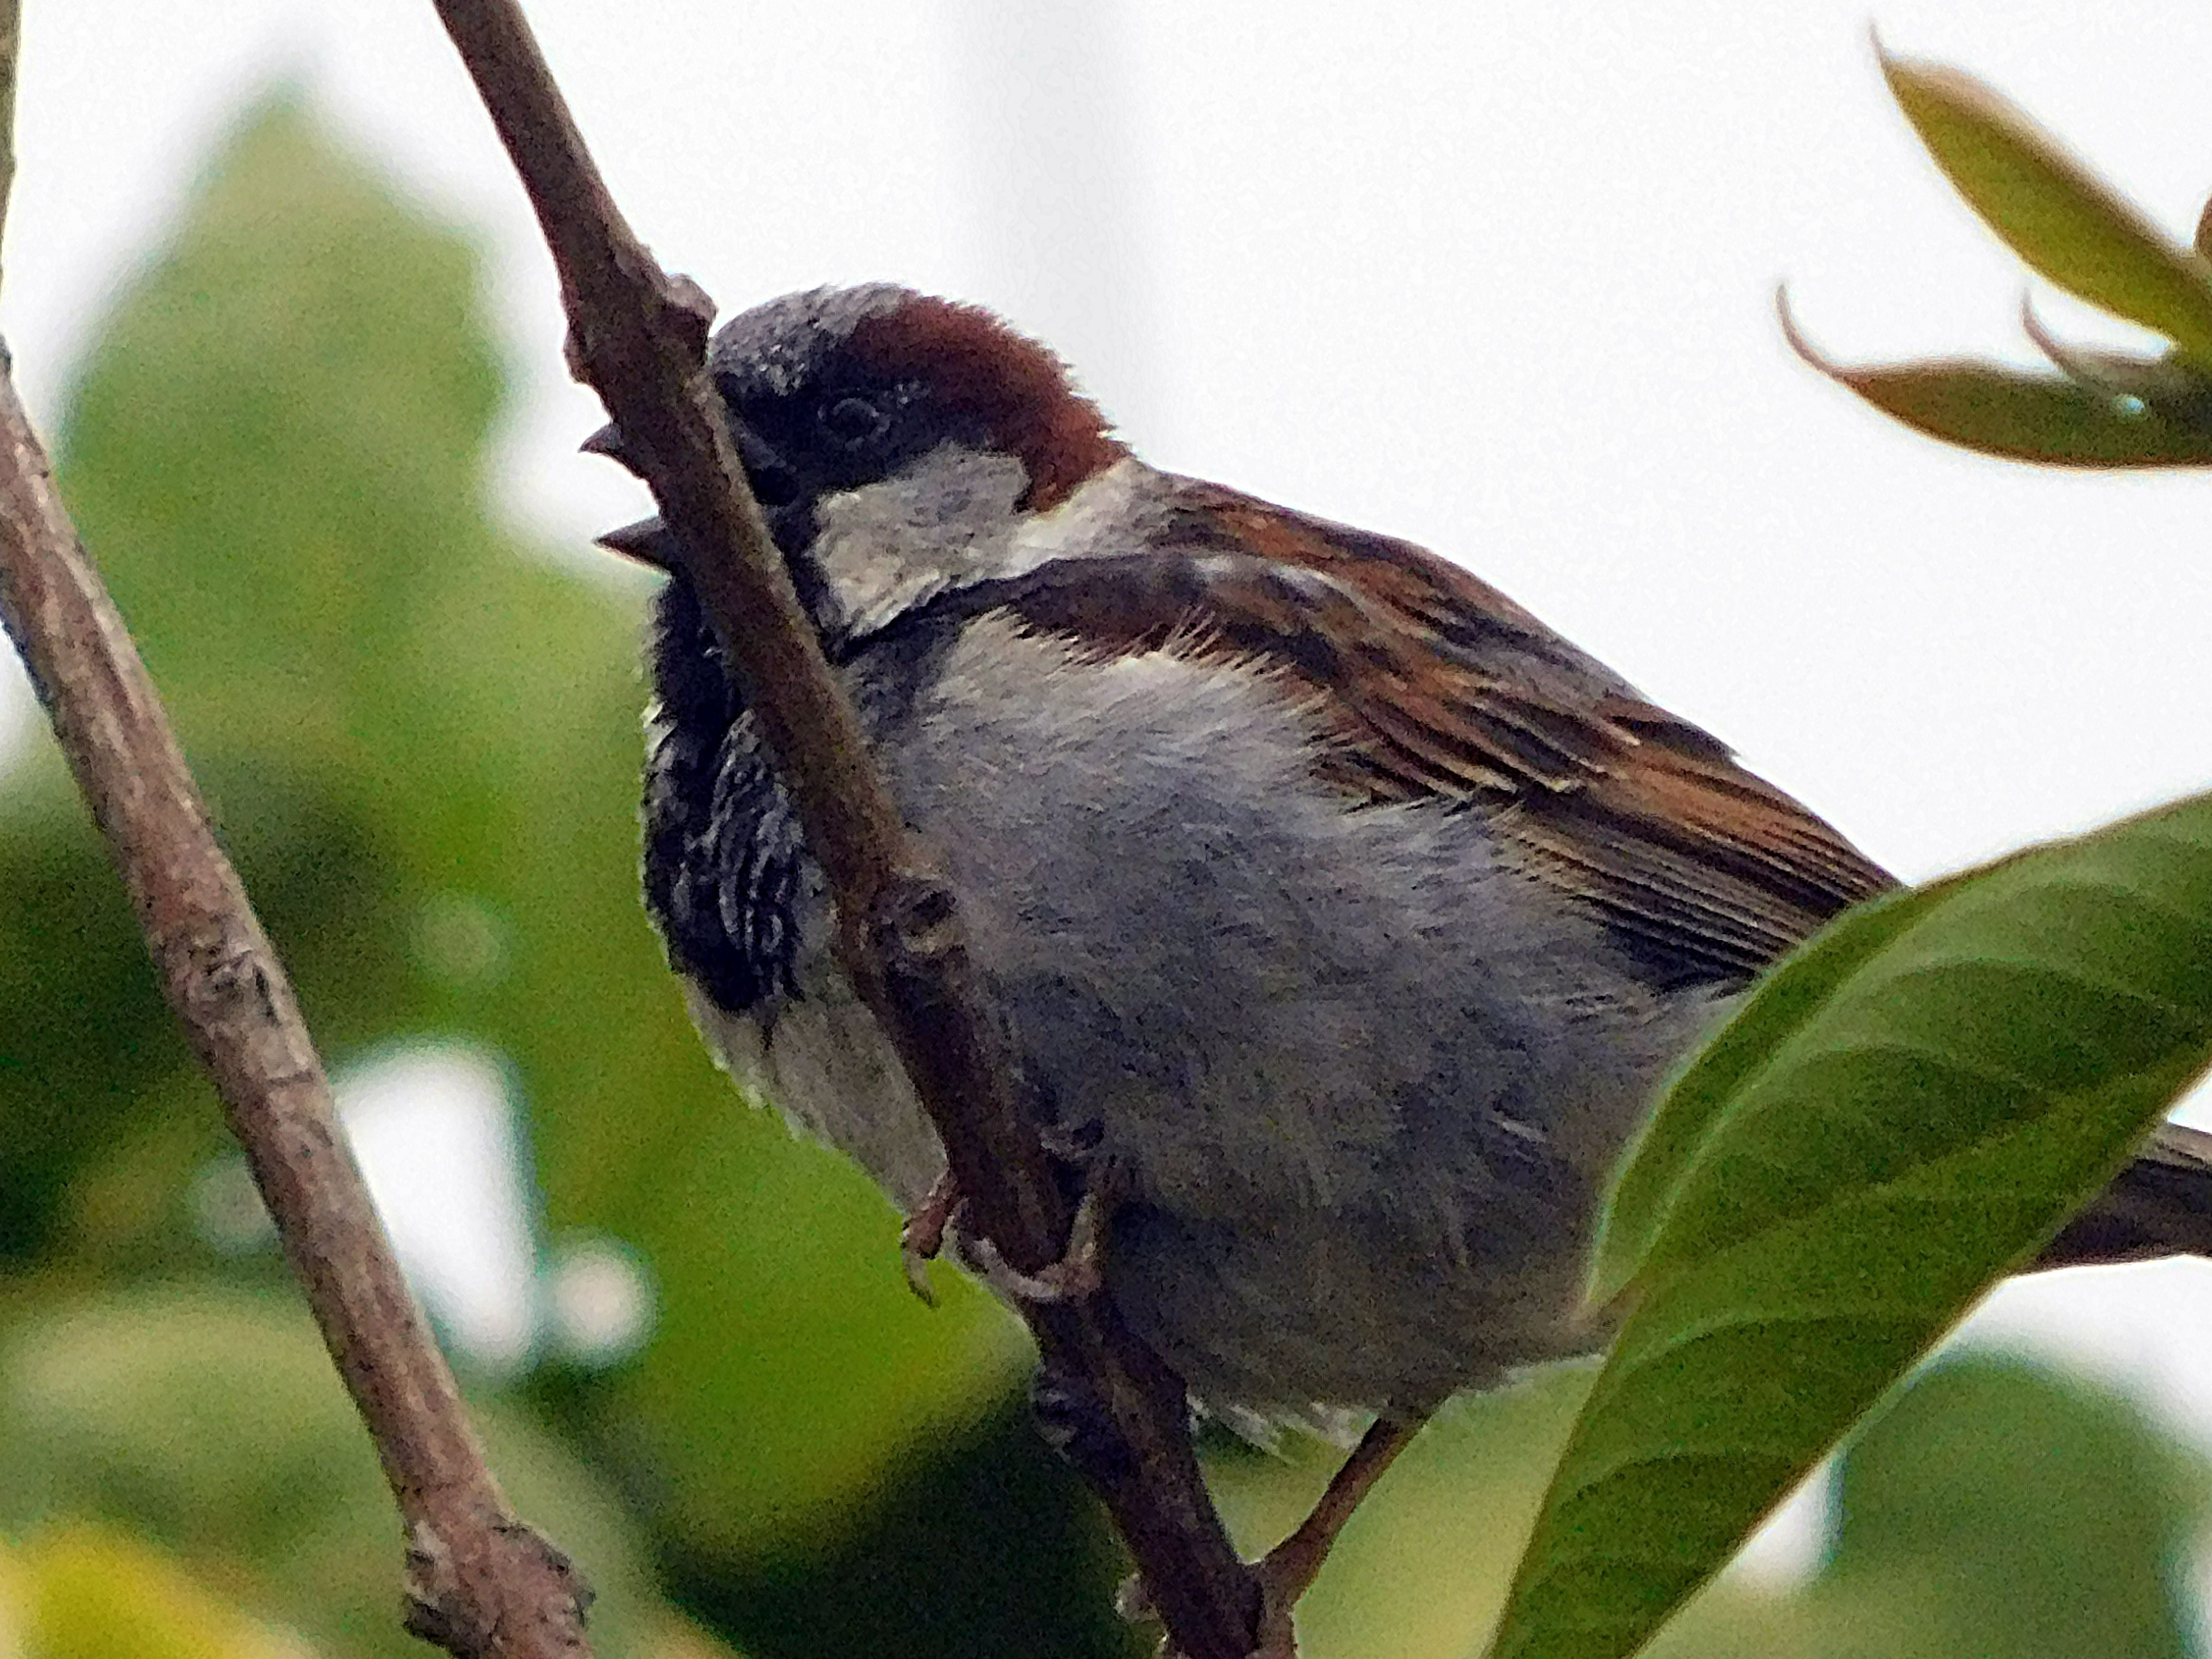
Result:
pixel 637 336
pixel 480 1583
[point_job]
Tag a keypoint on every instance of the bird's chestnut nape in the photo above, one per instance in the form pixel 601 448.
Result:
pixel 979 371
pixel 837 389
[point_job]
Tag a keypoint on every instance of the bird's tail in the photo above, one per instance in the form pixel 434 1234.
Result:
pixel 2160 1204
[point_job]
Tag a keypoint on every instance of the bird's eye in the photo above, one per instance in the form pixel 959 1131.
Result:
pixel 853 420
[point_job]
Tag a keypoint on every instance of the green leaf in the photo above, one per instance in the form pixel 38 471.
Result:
pixel 1900 1114
pixel 2026 416
pixel 2066 222
pixel 1656 1163
pixel 2069 973
pixel 1959 1500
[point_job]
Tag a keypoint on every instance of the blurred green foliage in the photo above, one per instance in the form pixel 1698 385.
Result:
pixel 278 451
pixel 417 732
pixel 1991 1509
pixel 134 1413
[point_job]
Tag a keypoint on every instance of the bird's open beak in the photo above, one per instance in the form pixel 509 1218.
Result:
pixel 647 541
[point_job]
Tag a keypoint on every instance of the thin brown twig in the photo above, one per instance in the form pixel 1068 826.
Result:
pixel 636 337
pixel 11 39
pixel 480 1582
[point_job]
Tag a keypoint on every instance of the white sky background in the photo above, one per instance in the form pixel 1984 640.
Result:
pixel 1497 278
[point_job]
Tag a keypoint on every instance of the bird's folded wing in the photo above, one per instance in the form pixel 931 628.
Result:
pixel 1434 686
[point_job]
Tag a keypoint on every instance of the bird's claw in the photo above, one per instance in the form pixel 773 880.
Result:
pixel 921 1235
pixel 1076 1275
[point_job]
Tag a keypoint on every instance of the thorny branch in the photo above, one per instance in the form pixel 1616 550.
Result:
pixel 480 1582
pixel 636 337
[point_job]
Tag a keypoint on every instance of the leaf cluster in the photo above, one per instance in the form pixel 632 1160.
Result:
pixel 2103 408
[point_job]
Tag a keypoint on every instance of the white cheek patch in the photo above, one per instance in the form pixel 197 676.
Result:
pixel 1105 515
pixel 946 522
pixel 949 522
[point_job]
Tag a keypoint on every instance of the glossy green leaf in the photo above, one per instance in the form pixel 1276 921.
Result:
pixel 1898 1116
pixel 2073 977
pixel 1700 1096
pixel 2067 223
pixel 1991 1508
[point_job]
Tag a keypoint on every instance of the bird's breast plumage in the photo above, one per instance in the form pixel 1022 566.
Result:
pixel 1365 1076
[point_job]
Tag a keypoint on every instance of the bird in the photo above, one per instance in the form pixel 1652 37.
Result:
pixel 1345 919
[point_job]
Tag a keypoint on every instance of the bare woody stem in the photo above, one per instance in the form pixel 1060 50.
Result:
pixel 483 1585
pixel 480 1583
pixel 637 336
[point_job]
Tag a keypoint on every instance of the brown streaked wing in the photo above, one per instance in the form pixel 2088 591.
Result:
pixel 1435 686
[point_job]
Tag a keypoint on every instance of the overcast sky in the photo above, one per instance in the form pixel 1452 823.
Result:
pixel 1497 278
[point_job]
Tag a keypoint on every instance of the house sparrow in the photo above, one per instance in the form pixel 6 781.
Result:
pixel 1344 910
